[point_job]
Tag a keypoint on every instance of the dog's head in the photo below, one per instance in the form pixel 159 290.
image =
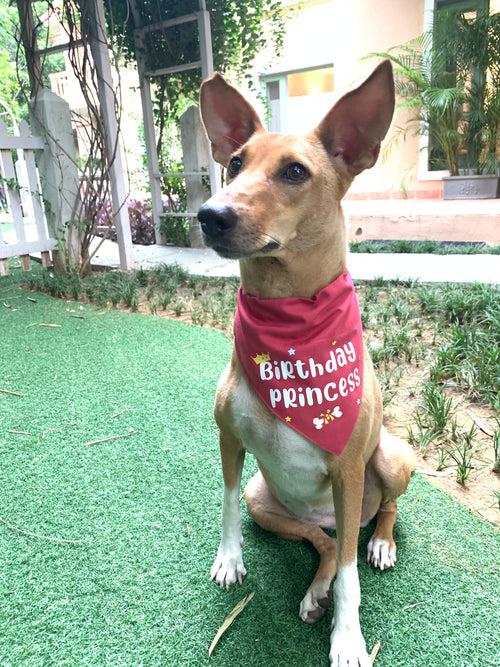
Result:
pixel 281 189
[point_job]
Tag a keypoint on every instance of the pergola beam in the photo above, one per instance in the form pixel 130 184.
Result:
pixel 174 69
pixel 149 129
pixel 57 48
pixel 95 28
pixel 168 23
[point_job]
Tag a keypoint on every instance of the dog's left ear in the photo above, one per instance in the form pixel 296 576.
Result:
pixel 229 119
pixel 354 128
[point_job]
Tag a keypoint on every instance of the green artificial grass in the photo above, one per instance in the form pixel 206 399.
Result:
pixel 135 591
pixel 429 247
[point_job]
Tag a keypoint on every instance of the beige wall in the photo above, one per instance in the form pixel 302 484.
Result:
pixel 363 26
pixel 343 32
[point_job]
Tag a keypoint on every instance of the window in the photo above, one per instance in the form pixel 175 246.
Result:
pixel 298 100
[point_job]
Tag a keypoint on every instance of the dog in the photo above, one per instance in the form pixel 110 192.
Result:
pixel 280 215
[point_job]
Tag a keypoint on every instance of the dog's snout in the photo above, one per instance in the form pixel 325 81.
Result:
pixel 215 221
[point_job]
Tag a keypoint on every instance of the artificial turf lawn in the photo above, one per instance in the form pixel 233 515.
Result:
pixel 136 591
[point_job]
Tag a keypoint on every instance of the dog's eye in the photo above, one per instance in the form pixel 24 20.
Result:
pixel 234 166
pixel 295 173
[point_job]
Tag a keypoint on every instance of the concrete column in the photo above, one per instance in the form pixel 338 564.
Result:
pixel 195 155
pixel 59 180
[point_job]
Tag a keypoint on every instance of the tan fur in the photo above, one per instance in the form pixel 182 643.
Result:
pixel 307 223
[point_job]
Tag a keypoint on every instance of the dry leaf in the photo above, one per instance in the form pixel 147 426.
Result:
pixel 229 620
pixel 480 423
pixel 375 651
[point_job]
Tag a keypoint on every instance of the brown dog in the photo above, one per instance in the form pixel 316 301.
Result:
pixel 280 215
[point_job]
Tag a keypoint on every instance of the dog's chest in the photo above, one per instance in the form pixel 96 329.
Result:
pixel 295 468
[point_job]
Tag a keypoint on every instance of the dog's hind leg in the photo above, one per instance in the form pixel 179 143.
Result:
pixel 272 516
pixel 393 462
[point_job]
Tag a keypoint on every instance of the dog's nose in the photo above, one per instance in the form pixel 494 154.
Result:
pixel 215 221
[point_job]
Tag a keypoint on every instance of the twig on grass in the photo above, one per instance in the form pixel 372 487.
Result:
pixel 121 412
pixel 229 620
pixel 9 392
pixel 91 443
pixel 47 325
pixel 49 538
pixel 415 604
pixel 434 473
pixel 16 432
pixel 375 651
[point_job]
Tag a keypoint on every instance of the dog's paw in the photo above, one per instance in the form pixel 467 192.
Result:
pixel 228 568
pixel 316 601
pixel 381 553
pixel 348 649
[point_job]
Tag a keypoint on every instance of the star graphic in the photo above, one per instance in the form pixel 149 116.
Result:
pixel 358 401
pixel 334 342
pixel 288 419
pixel 291 352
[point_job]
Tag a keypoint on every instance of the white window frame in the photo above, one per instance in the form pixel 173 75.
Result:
pixel 281 77
pixel 424 173
pixel 283 91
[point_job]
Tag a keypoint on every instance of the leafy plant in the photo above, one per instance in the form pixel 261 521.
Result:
pixel 463 453
pixel 437 407
pixel 141 221
pixel 448 80
pixel 496 449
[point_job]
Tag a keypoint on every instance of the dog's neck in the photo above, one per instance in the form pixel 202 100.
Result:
pixel 297 272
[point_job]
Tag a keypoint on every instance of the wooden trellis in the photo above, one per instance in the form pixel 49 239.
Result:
pixel 24 208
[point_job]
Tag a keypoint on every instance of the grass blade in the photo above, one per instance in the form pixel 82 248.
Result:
pixel 229 620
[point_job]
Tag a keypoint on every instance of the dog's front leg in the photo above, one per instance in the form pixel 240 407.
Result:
pixel 228 565
pixel 347 647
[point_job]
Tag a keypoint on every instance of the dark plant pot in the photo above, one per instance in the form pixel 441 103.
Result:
pixel 471 187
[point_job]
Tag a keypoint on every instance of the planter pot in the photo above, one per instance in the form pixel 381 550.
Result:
pixel 471 187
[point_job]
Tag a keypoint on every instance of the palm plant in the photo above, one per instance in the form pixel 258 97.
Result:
pixel 449 81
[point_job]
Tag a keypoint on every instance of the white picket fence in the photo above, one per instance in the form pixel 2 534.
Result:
pixel 20 186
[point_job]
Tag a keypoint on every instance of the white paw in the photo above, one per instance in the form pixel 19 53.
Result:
pixel 316 601
pixel 228 568
pixel 348 649
pixel 381 553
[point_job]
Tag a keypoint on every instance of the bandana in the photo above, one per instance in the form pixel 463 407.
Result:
pixel 304 358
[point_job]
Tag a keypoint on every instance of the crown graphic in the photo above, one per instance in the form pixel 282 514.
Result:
pixel 260 358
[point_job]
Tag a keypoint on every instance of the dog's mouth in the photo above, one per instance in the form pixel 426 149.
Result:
pixel 232 252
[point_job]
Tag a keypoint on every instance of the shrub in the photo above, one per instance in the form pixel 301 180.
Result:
pixel 141 222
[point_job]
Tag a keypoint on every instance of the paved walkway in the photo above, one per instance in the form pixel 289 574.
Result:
pixel 426 268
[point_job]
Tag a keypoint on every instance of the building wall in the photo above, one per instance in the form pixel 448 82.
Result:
pixel 361 27
pixel 344 32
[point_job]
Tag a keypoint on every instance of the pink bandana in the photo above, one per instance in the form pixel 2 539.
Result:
pixel 304 358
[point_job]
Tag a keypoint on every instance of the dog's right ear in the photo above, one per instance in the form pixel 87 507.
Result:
pixel 355 127
pixel 229 119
